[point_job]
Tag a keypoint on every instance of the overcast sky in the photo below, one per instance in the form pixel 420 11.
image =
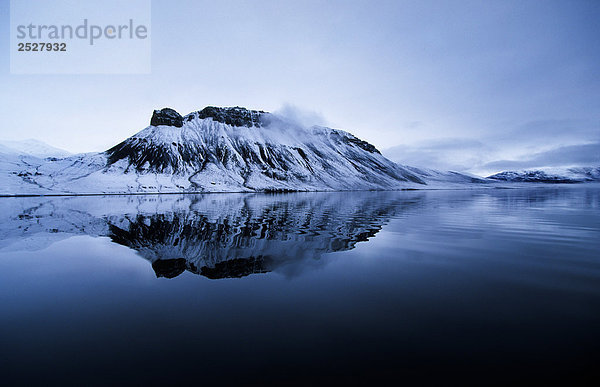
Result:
pixel 476 86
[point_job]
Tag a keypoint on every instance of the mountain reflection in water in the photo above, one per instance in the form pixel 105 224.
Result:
pixel 220 236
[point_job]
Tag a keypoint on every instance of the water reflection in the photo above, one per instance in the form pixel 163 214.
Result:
pixel 235 235
pixel 364 287
pixel 216 236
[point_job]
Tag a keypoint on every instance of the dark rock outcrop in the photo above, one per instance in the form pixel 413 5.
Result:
pixel 235 116
pixel 166 116
pixel 361 144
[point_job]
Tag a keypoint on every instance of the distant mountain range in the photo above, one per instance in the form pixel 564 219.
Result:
pixel 31 147
pixel 551 175
pixel 230 149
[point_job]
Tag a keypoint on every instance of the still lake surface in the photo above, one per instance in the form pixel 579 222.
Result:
pixel 306 288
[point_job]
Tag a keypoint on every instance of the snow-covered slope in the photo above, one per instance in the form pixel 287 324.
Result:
pixel 31 147
pixel 551 175
pixel 447 179
pixel 17 173
pixel 217 149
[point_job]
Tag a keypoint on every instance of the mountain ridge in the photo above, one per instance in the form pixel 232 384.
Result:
pixel 566 175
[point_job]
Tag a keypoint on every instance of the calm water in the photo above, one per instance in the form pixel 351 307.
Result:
pixel 487 286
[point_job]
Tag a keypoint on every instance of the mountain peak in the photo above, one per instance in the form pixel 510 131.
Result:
pixel 166 116
pixel 234 116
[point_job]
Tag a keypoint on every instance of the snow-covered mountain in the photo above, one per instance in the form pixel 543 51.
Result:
pixel 551 175
pixel 240 149
pixel 220 149
pixel 31 147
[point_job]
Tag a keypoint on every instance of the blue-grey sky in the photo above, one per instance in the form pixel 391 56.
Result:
pixel 469 85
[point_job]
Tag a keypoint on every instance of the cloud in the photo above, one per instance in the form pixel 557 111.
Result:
pixel 300 116
pixel 459 154
pixel 547 133
pixel 583 155
pixel 532 144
